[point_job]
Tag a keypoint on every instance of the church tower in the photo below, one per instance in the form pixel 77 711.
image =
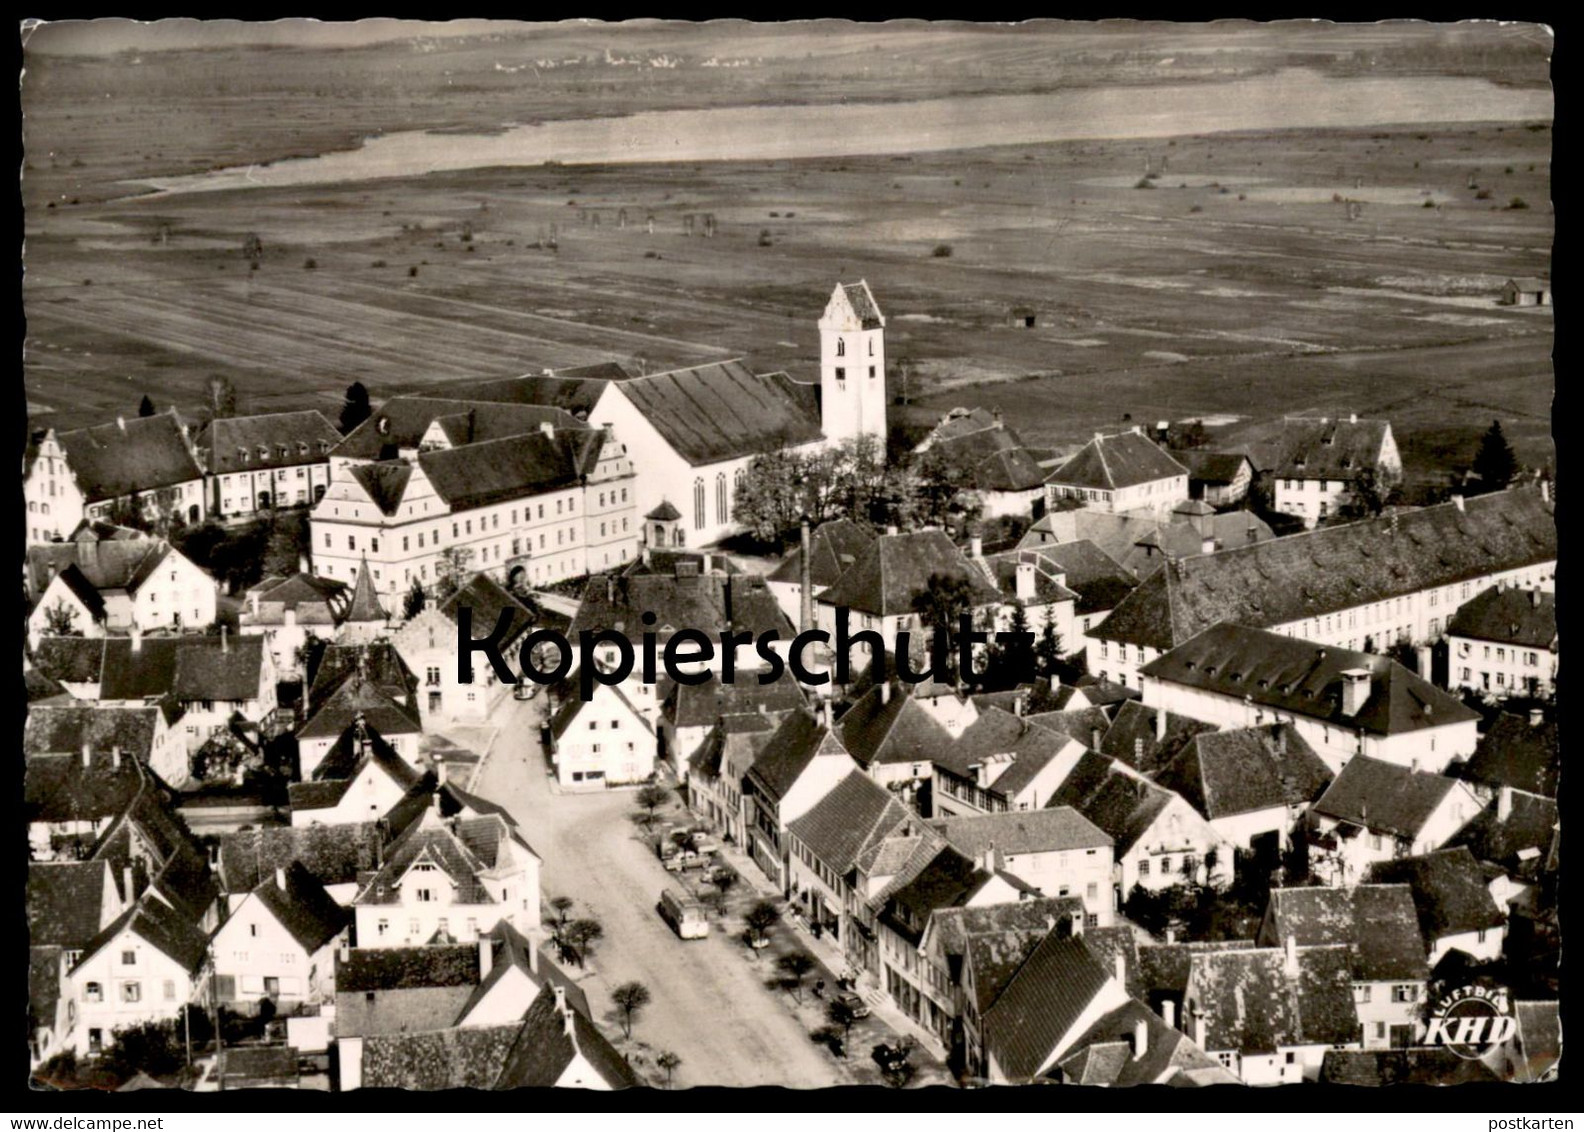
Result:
pixel 852 365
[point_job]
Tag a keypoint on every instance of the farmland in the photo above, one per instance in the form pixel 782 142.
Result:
pixel 1250 274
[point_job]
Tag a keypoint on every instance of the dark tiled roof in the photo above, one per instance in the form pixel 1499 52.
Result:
pixel 1333 449
pixel 1225 773
pixel 1518 844
pixel 1333 568
pixel 70 660
pixel 44 985
pixel 1105 1055
pixel 1384 797
pixel 665 513
pixel 303 907
pixel 724 410
pixel 487 598
pixel 863 304
pixel 1041 1003
pixel 440 844
pixel 406 968
pixel 385 483
pixel 379 660
pixel 879 731
pixel 1297 676
pixel 833 547
pixel 162 927
pixel 258 1063
pixel 894 569
pixel 993 458
pixel 997 940
pixel 402 421
pixel 799 740
pixel 711 603
pixel 135 454
pixel 495 470
pixel 994 736
pixel 856 812
pixel 701 705
pixel 360 696
pixel 1131 737
pixel 1449 891
pixel 1100 581
pixel 315 600
pixel 1001 571
pixel 114 565
pixel 948 880
pixel 1251 1003
pixel 1112 462
pixel 58 788
pixel 576 389
pixel 513 951
pixel 467 1057
pixel 1018 832
pixel 40 687
pixel 1122 805
pixel 284 438
pixel 1377 922
pixel 1075 723
pixel 64 901
pixel 1215 468
pixel 1517 753
pixel 544 1049
pixel 1517 617
pixel 64 728
pixel 332 854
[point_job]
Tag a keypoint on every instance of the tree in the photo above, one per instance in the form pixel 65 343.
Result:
pixel 831 1039
pixel 1048 649
pixel 946 598
pixel 669 1062
pixel 1495 464
pixel 794 965
pixel 355 409
pixel 128 511
pixel 61 620
pixel 1014 663
pixel 1190 434
pixel 145 407
pixel 222 397
pixel 938 494
pixel 579 936
pixel 629 999
pixel 724 882
pixel 413 604
pixel 285 543
pixel 838 1013
pixel 451 571
pixel 651 798
pixel 761 918
pixel 769 502
pixel 155 1048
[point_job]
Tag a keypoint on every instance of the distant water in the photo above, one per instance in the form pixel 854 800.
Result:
pixel 1289 99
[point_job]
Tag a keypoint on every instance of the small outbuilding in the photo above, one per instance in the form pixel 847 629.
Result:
pixel 1526 293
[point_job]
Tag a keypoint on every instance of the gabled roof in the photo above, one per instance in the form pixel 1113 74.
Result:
pixel 1017 832
pixel 402 421
pixel 1040 1004
pixel 1287 580
pixel 70 660
pixel 1001 571
pixel 799 740
pixel 947 880
pixel 880 730
pixel 1518 753
pixel 190 668
pixel 1131 737
pixel 1100 581
pixel 1251 1002
pixel 994 736
pixel 1385 797
pixel 1377 922
pixel 992 456
pixel 133 454
pixel 723 410
pixel 550 1039
pixel 862 301
pixel 1105 1054
pixel 1520 842
pixel 570 703
pixel 453 846
pixel 360 696
pixel 461 1057
pixel 495 470
pixel 303 907
pixel 1325 448
pixel 234 444
pixel 314 600
pixel 1449 890
pixel 1215 468
pixel 894 569
pixel 161 927
pixel 664 513
pixel 1113 462
pixel 513 951
pixel 64 728
pixel 345 762
pixel 58 788
pixel 123 564
pixel 64 902
pixel 1226 773
pixel 1121 804
pixel 700 705
pixel 1526 618
pixel 1292 675
pixel 711 603
pixel 385 483
pixel 833 547
pixel 1075 723
pixel 331 854
pixel 856 812
pixel 1539 1038
pixel 487 598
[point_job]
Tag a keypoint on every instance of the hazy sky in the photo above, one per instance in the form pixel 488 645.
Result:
pixel 103 37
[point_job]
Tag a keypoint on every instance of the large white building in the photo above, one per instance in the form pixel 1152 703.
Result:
pixel 114 585
pixel 260 463
pixel 1122 474
pixel 1323 461
pixel 1503 642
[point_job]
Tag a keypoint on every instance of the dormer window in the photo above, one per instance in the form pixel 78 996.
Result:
pixel 302 448
pixel 263 451
pixel 242 454
pixel 324 447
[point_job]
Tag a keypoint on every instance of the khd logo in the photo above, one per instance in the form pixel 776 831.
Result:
pixel 1472 1021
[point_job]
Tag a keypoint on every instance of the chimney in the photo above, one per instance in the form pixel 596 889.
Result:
pixel 1199 1030
pixel 1119 967
pixel 1055 682
pixel 533 958
pixel 1536 717
pixel 280 879
pixel 1169 1012
pixel 1025 580
pixel 1355 690
pixel 885 692
pixel 1019 705
pixel 547 428
pixel 486 948
pixel 1534 597
pixel 563 1009
pixel 988 861
pixel 440 771
pixel 825 713
pixel 121 423
pixel 1094 738
pixel 87 755
pixel 137 639
pixel 1160 725
pixel 115 757
pixel 126 884
pixel 302 564
pixel 1291 958
pixel 891 530
pixel 434 803
pixel 1171 936
pixel 1140 1038
pixel 1279 733
pixel 610 589
pixel 225 640
pixel 1504 804
pixel 976 547
pixel 806 581
pixel 1253 533
pixel 1099 436
pixel 1545 491
pixel 995 417
pixel 1457 501
pixel 1352 418
pixel 1138 750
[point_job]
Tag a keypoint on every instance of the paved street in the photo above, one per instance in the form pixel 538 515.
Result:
pixel 710 1005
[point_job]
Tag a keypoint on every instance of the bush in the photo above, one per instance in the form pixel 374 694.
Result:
pixel 310 263
pixel 1517 203
pixel 378 263
pixel 942 251
pixel 1428 204
pixel 412 272
pixel 1197 208
pixel 1144 183
pixel 1483 194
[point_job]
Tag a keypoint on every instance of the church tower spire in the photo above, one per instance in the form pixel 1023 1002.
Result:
pixel 852 365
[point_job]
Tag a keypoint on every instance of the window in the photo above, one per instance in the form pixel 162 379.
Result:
pixel 720 498
pixel 841 348
pixel 253 930
pixel 93 992
pixel 129 959
pixel 170 990
pixel 1291 1057
pixel 1144 867
pixel 1361 993
pixel 871 371
pixel 1482 934
pixel 1406 992
pixel 698 502
pixel 1165 867
pixel 426 896
pixel 131 992
pixel 382 928
pixel 841 374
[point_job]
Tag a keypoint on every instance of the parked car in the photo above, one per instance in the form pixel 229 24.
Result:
pixel 704 842
pixel 854 1003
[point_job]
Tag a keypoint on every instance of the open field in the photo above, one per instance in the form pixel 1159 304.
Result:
pixel 1237 285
